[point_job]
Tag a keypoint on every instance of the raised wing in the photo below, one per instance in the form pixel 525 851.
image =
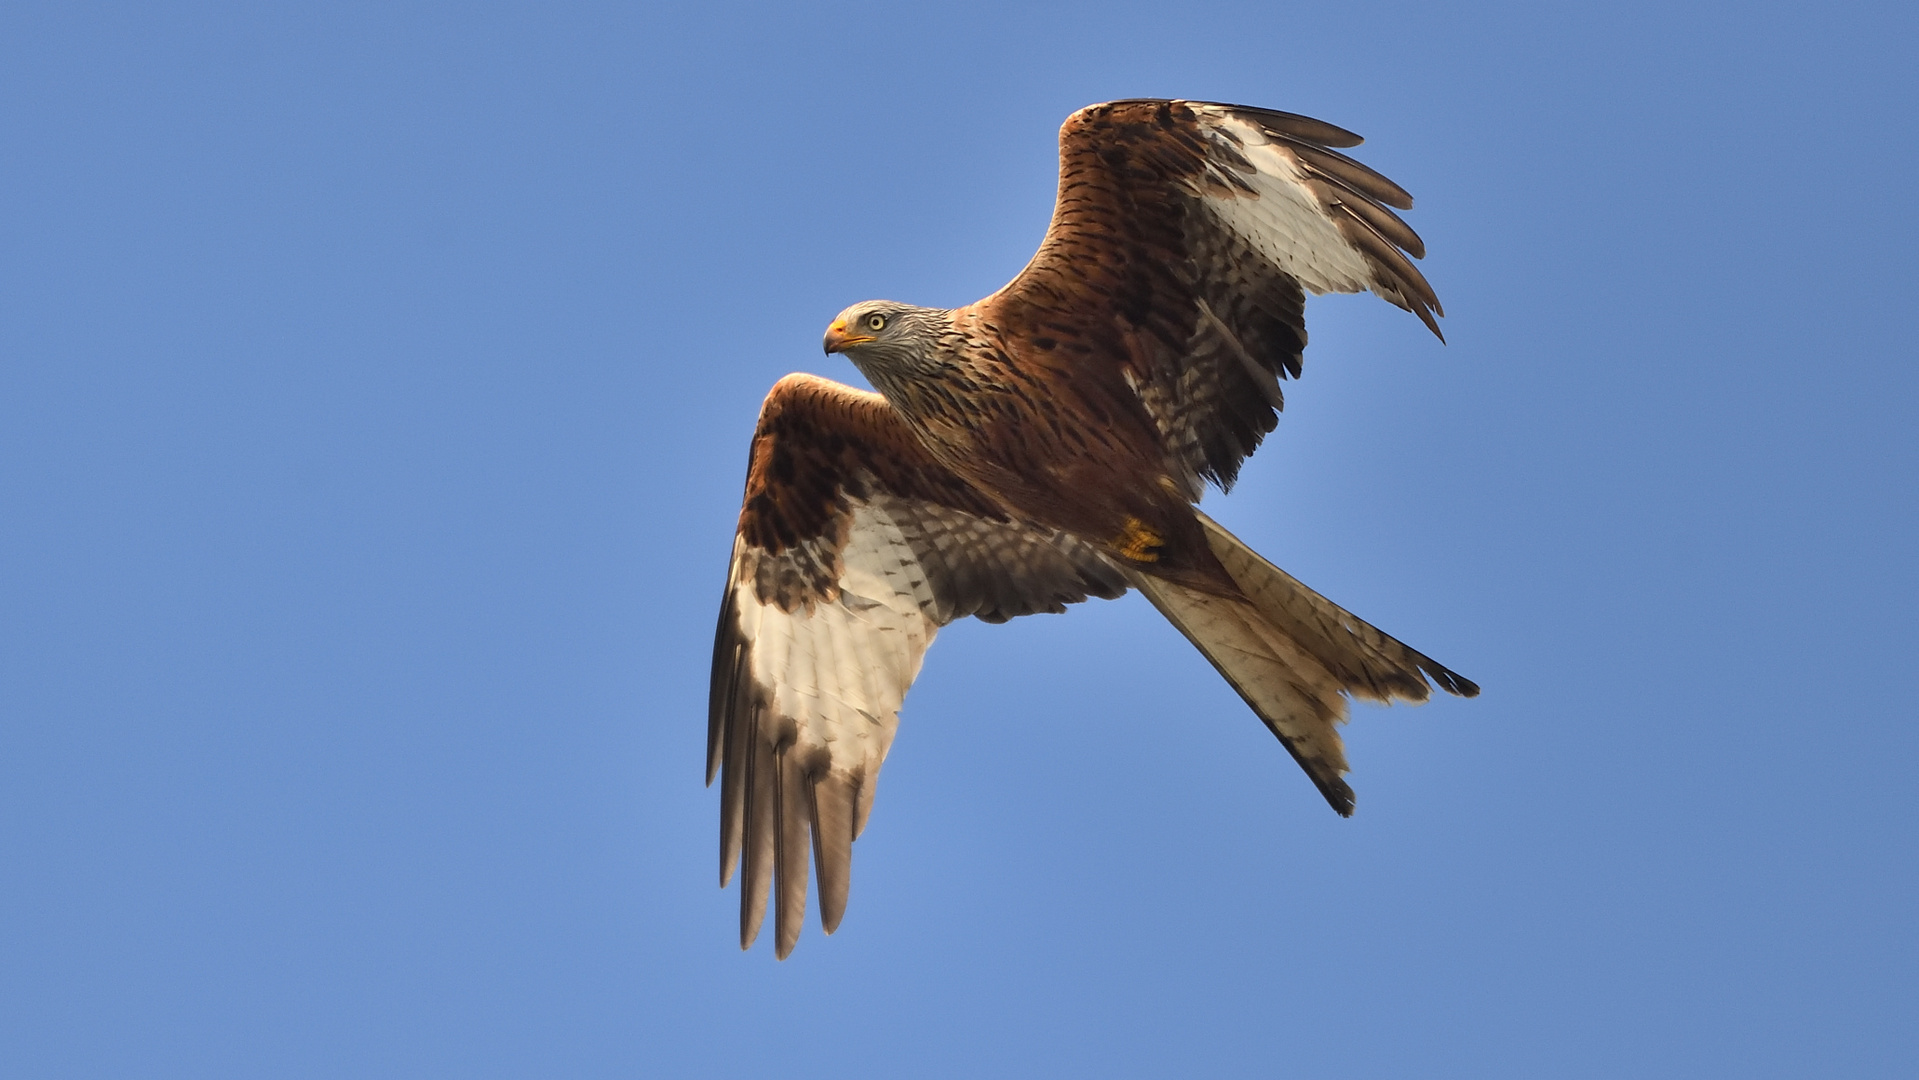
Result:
pixel 1183 241
pixel 854 548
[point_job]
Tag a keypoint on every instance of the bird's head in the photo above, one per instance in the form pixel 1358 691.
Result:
pixel 867 323
pixel 884 334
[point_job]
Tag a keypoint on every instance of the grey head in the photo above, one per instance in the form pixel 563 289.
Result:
pixel 888 340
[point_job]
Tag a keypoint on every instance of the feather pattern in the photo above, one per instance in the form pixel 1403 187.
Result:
pixel 1184 239
pixel 854 548
pixel 1295 656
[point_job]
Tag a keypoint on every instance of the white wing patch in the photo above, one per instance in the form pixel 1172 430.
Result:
pixel 839 671
pixel 810 674
pixel 1282 218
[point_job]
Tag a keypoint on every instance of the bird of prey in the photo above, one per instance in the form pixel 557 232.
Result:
pixel 1041 446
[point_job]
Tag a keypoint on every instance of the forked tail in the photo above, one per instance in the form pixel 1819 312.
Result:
pixel 1296 656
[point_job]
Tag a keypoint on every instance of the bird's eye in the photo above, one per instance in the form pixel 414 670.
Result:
pixel 876 322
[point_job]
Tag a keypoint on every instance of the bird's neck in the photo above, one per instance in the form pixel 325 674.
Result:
pixel 920 372
pixel 934 389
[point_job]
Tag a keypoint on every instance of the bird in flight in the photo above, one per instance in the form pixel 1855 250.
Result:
pixel 1041 446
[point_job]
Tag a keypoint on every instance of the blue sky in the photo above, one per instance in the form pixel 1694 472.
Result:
pixel 375 383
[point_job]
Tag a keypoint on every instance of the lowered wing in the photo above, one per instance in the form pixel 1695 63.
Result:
pixel 854 548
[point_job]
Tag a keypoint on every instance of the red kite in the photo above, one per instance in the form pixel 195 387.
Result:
pixel 1041 446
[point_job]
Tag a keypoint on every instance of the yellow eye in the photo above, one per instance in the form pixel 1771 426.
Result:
pixel 876 322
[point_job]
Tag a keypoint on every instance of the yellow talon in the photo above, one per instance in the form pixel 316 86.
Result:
pixel 1139 543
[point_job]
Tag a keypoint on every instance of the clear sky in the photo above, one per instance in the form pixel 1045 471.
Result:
pixel 375 385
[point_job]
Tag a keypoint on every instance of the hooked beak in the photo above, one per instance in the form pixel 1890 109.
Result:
pixel 838 340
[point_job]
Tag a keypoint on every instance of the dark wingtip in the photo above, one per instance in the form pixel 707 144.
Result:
pixel 1426 316
pixel 1448 680
pixel 1300 127
pixel 1339 796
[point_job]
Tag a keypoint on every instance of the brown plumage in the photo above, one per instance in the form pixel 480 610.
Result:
pixel 1041 446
